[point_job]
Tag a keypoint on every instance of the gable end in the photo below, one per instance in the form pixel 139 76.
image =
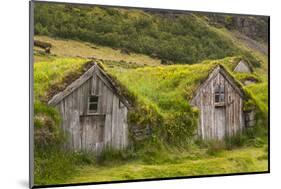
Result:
pixel 82 79
pixel 220 70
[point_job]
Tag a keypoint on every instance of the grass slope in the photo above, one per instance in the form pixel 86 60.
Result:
pixel 183 38
pixel 73 49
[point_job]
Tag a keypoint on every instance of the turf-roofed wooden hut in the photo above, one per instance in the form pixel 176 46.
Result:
pixel 94 113
pixel 220 101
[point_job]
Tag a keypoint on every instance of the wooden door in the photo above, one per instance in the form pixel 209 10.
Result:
pixel 92 132
pixel 219 130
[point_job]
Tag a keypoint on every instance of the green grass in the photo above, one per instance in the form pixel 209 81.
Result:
pixel 170 87
pixel 50 73
pixel 165 86
pixel 260 93
pixel 247 159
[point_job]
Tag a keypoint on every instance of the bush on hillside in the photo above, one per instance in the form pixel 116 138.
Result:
pixel 183 38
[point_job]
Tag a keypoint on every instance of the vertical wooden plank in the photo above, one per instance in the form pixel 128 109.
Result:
pixel 98 83
pixel 212 106
pixel 101 97
pixel 114 121
pixel 202 118
pixel 105 99
pixel 94 83
pixel 119 125
pixel 241 114
pixel 125 127
pixel 108 121
pixel 108 128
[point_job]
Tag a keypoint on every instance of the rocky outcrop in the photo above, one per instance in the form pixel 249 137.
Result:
pixel 255 27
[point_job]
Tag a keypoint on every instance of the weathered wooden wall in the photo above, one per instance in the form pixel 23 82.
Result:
pixel 242 67
pixel 107 127
pixel 217 122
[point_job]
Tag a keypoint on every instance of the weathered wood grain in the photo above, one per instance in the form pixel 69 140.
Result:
pixel 92 132
pixel 218 120
pixel 243 67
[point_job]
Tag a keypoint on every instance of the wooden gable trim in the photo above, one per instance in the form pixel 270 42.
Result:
pixel 85 77
pixel 226 75
pixel 232 82
pixel 110 84
pixel 72 87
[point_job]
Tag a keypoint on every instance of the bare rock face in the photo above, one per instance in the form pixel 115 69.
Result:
pixel 254 27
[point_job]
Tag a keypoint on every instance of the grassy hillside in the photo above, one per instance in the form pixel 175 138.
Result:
pixel 72 48
pixel 183 38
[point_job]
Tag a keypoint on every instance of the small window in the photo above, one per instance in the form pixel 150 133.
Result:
pixel 93 103
pixel 219 93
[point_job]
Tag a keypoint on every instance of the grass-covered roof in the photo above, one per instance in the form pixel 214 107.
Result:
pixel 159 95
pixel 164 87
pixel 167 87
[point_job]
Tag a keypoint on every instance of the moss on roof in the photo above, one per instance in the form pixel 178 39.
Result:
pixel 50 77
pixel 167 87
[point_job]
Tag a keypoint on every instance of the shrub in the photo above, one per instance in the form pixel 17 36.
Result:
pixel 180 127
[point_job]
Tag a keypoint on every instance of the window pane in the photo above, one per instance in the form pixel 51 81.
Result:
pixel 94 99
pixel 221 97
pixel 93 107
pixel 217 98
